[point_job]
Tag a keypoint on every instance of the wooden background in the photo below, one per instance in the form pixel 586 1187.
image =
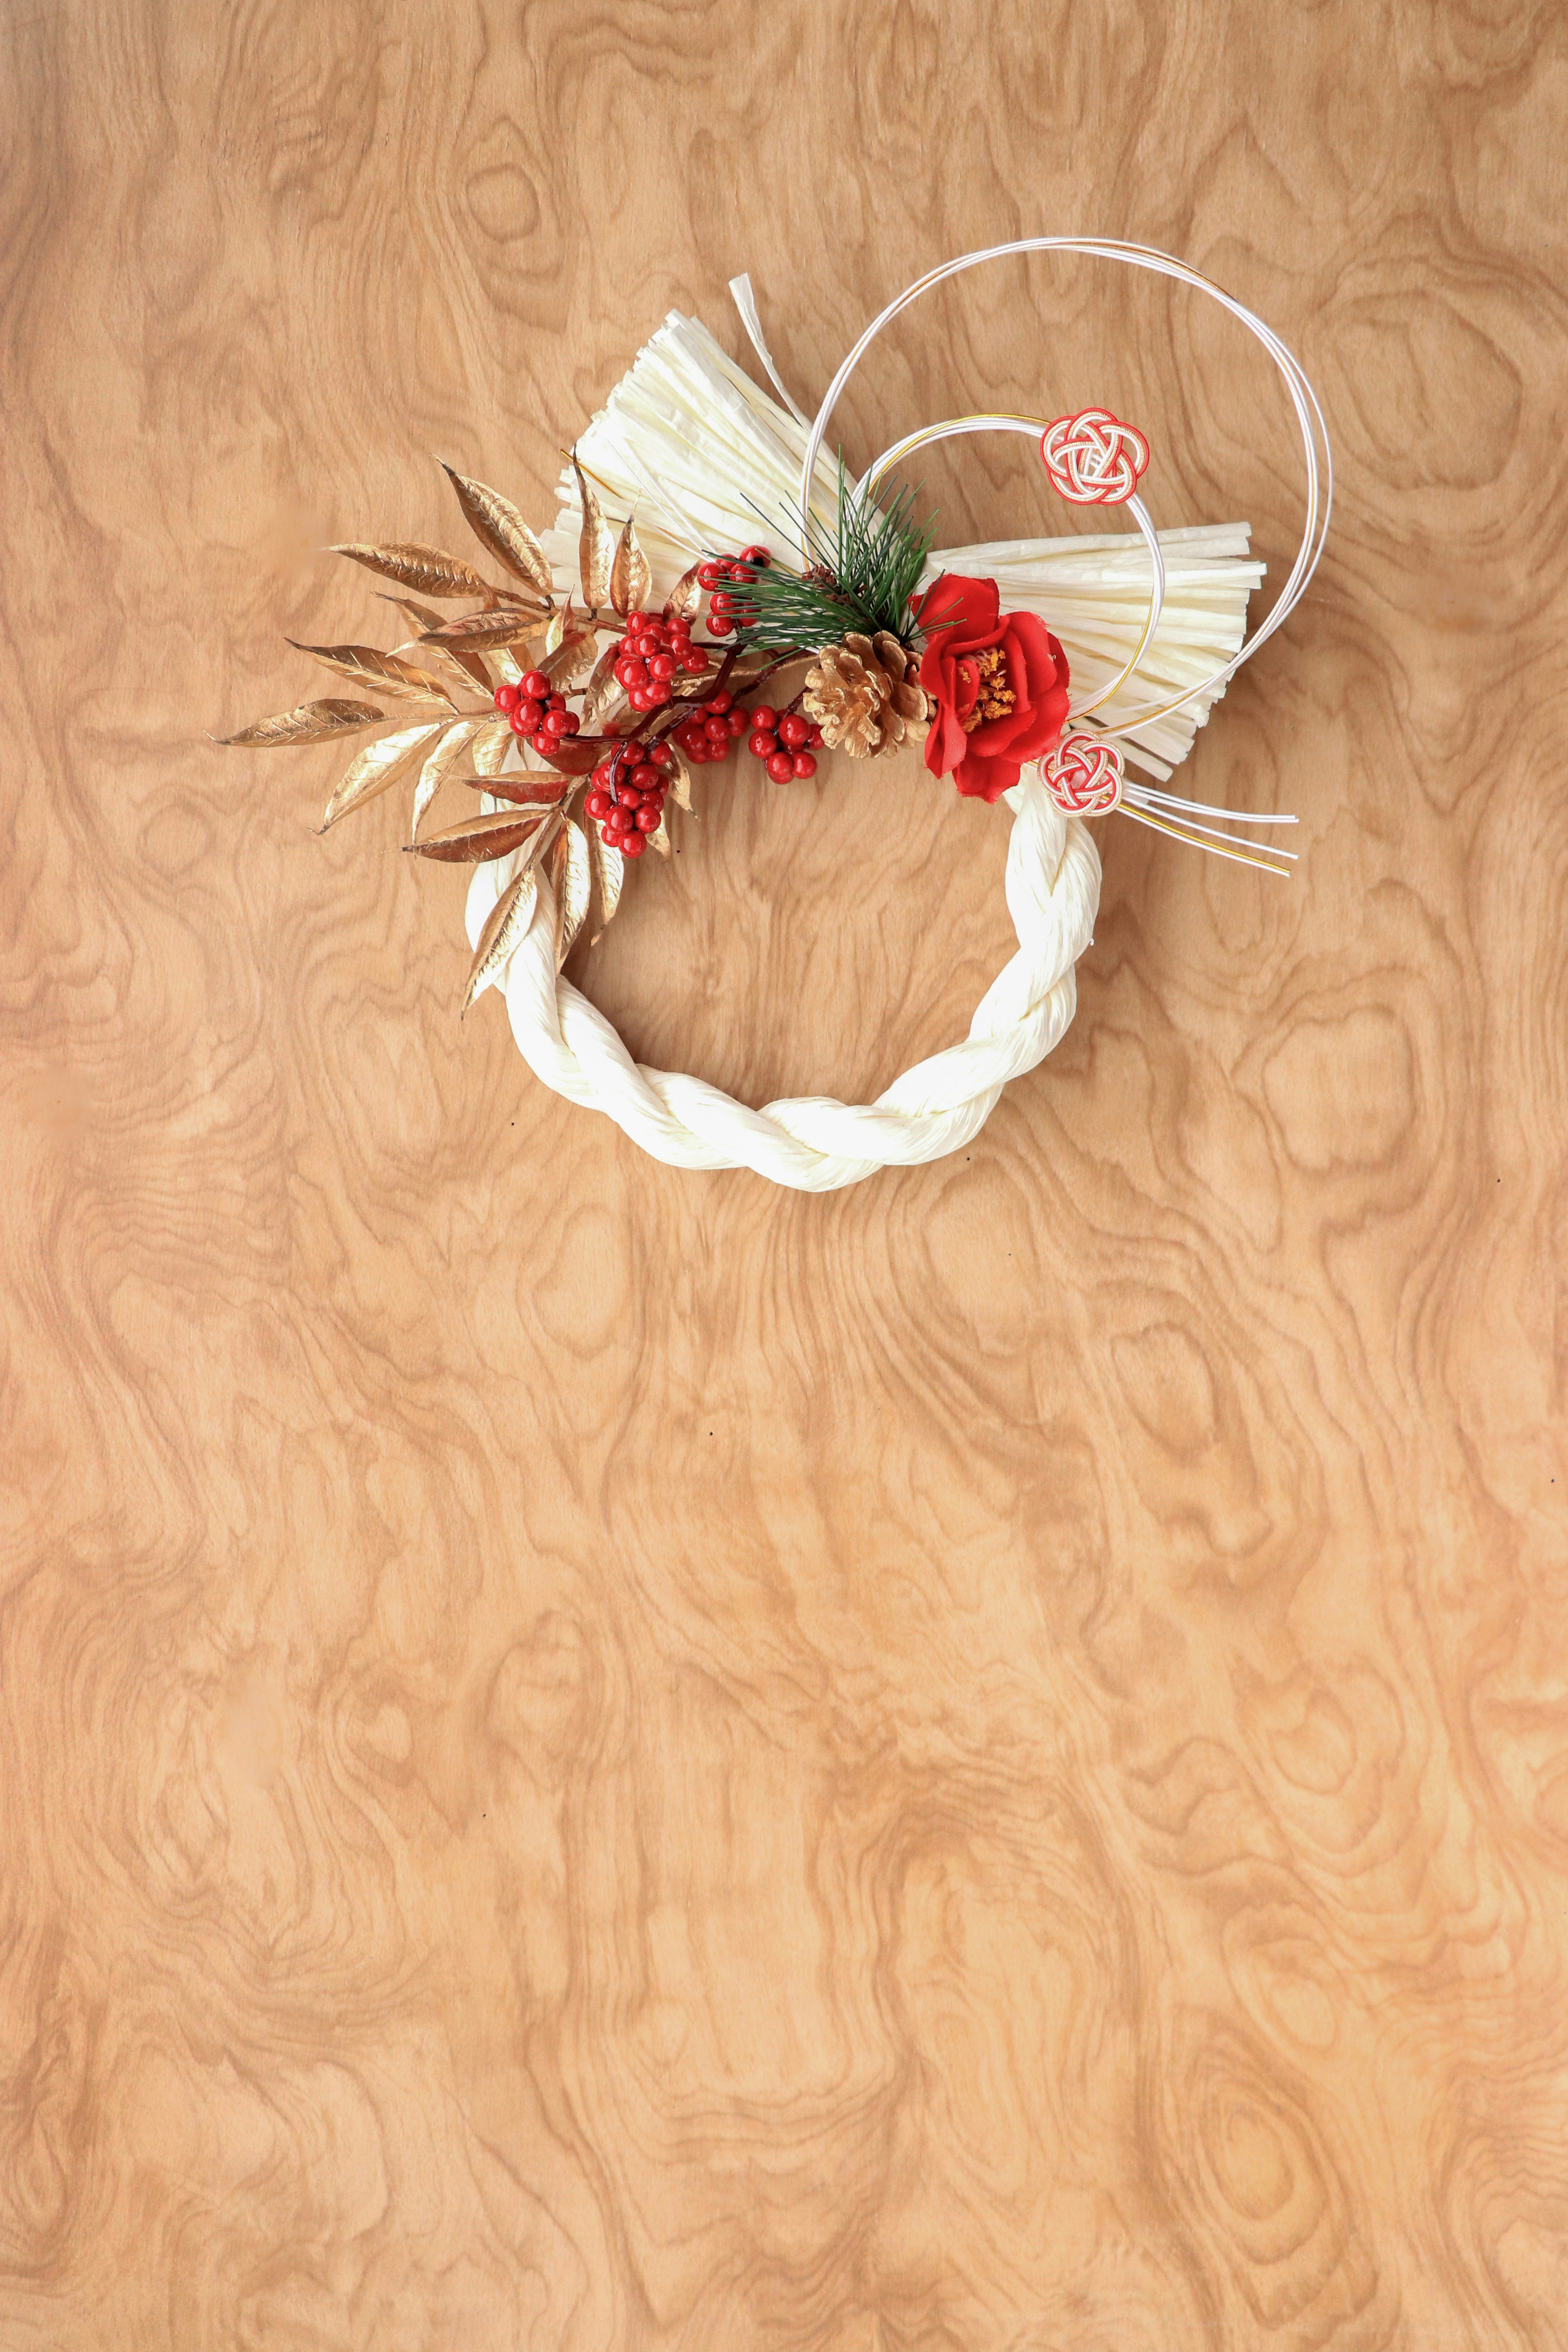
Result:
pixel 591 1758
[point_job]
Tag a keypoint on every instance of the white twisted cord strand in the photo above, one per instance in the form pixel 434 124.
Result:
pixel 813 1143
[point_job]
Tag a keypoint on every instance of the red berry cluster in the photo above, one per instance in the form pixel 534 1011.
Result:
pixel 712 727
pixel 626 799
pixel 654 653
pixel 537 712
pixel 784 745
pixel 718 577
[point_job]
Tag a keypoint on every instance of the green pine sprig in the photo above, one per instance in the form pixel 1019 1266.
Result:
pixel 863 577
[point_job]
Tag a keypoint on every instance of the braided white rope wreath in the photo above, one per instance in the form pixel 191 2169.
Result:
pixel 816 1144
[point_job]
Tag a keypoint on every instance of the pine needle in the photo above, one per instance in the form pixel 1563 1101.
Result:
pixel 863 578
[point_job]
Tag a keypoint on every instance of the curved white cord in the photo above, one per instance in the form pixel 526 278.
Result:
pixel 1034 426
pixel 1303 399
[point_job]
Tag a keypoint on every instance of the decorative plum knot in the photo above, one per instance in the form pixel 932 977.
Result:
pixel 1094 459
pixel 1083 776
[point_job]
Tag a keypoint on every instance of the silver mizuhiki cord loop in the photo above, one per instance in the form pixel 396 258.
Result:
pixel 1303 400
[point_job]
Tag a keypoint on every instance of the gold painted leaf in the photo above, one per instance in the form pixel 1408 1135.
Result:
pixel 423 618
pixel 384 673
pixel 377 766
pixel 595 547
pixel 508 625
pixel 521 793
pixel 630 575
pixel 491 744
pixel 686 595
pixel 574 755
pixel 505 928
pixel 609 873
pixel 443 663
pixel 421 615
pixel 438 766
pixel 568 649
pixel 603 687
pixel 428 571
pixel 497 524
pixel 573 890
pixel 479 838
pixel 679 779
pixel 312 722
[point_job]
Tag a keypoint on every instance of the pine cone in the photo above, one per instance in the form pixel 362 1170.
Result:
pixel 864 695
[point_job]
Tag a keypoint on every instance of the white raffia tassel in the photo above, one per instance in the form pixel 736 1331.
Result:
pixel 710 463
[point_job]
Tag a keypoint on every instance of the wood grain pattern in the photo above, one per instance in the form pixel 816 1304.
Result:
pixel 596 1758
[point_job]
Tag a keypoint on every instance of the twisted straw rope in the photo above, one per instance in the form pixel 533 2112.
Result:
pixel 815 1144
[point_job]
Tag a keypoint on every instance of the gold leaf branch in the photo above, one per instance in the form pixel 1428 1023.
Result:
pixel 376 767
pixel 386 673
pixel 426 570
pixel 596 547
pixel 312 723
pixel 497 524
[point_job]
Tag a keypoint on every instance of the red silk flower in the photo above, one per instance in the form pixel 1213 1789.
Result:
pixel 999 683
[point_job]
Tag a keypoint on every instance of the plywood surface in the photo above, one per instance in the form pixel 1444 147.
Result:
pixel 591 1758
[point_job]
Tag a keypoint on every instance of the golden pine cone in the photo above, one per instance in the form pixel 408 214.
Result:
pixel 864 695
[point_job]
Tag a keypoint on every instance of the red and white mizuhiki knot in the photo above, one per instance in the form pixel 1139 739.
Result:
pixel 1093 459
pixel 1083 776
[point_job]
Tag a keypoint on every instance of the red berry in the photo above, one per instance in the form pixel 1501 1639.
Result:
pixel 532 715
pixel 694 662
pixel 765 716
pixel 633 846
pixel 598 805
pixel 569 721
pixel 536 686
pixel 700 752
pixel 794 731
pixel 717 704
pixel 781 767
pixel 736 722
pixel 814 740
pixel 803 764
pixel 661 755
pixel 754 555
pixel 645 776
pixel 718 733
pixel 647 820
pixel 657 693
pixel 679 626
pixel 637 696
pixel 631 670
pixel 555 701
pixel 555 722
pixel 507 699
pixel 519 724
pixel 763 745
pixel 544 742
pixel 604 775
pixel 709 575
pixel 662 665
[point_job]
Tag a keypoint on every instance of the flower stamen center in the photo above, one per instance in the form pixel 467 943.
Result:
pixel 993 698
